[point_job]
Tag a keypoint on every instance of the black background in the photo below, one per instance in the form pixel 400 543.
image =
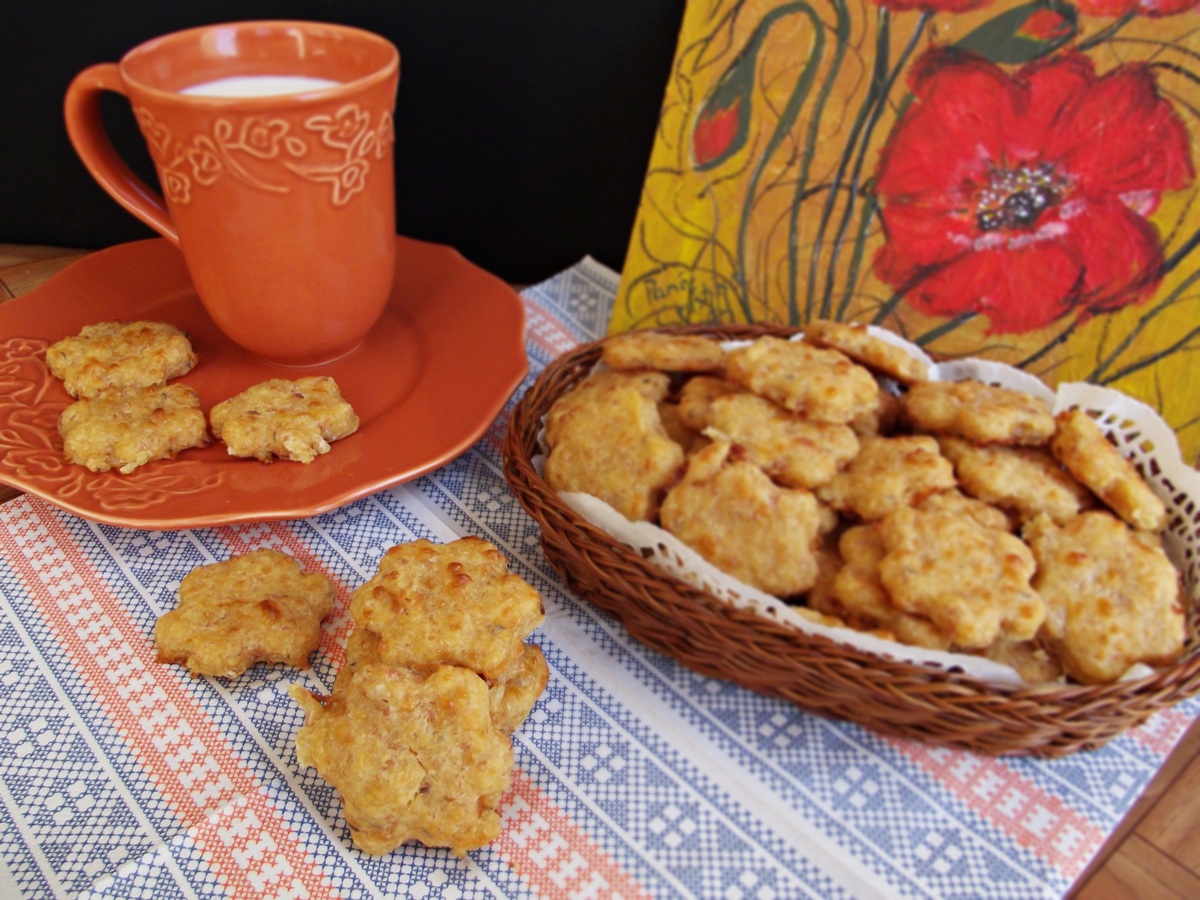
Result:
pixel 523 127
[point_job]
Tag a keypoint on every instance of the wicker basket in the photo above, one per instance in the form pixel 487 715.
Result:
pixel 818 675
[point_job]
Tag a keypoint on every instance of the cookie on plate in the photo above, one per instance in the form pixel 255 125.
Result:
pixel 863 347
pixel 979 412
pixel 1083 449
pixel 124 430
pixel 448 604
pixel 664 352
pixel 817 383
pixel 282 419
pixel 111 356
pixel 1112 595
pixel 731 513
pixel 414 755
pixel 257 607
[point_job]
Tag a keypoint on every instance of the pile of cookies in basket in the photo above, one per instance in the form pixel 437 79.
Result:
pixel 835 473
pixel 126 414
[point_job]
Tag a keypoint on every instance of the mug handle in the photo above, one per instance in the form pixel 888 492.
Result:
pixel 85 128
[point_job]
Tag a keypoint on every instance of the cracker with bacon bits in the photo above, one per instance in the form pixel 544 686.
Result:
pixel 664 352
pixel 1087 454
pixel 257 607
pixel 979 412
pixel 125 430
pixel 817 383
pixel 1112 595
pixel 414 754
pixel 731 513
pixel 116 356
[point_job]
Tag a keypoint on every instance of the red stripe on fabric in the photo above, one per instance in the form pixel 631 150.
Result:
pixel 546 331
pixel 278 536
pixel 244 840
pixel 552 854
pixel 1035 819
pixel 1162 731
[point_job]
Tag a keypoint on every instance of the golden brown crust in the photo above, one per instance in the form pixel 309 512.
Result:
pixel 888 473
pixel 972 582
pixel 118 356
pixel 257 607
pixel 611 444
pixel 978 412
pixel 448 604
pixel 1028 481
pixel 284 419
pixel 1083 449
pixel 1112 596
pixel 817 383
pixel 124 430
pixel 732 514
pixel 665 352
pixel 414 755
pixel 593 390
pixel 697 395
pixel 795 452
pixel 863 347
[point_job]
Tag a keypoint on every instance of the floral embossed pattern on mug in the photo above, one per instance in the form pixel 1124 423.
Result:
pixel 337 149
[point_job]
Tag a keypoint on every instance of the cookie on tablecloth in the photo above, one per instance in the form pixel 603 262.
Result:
pixel 414 754
pixel 282 419
pixel 124 430
pixel 256 607
pixel 112 356
pixel 448 604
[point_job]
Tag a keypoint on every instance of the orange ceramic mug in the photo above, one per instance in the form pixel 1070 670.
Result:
pixel 273 144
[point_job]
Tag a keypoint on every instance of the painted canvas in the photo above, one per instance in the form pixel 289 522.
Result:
pixel 1009 180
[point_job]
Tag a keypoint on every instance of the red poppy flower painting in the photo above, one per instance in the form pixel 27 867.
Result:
pixel 1024 197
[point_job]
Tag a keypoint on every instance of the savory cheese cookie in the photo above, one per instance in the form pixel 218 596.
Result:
pixel 610 442
pixel 817 383
pixel 282 419
pixel 124 430
pixel 863 347
pixel 414 755
pixel 448 604
pixel 664 352
pixel 972 582
pixel 1081 446
pixel 733 515
pixel 1027 481
pixel 888 473
pixel 120 355
pixel 1112 595
pixel 978 412
pixel 257 607
pixel 794 451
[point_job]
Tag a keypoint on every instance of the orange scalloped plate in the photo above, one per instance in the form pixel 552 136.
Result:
pixel 426 383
